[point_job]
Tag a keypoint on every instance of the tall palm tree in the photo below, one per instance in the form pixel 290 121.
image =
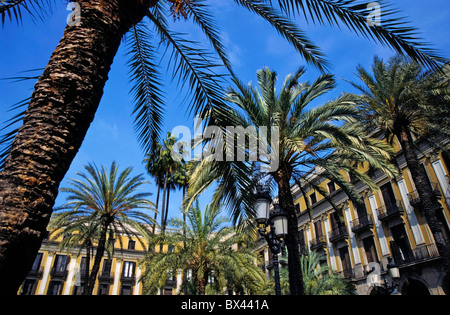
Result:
pixel 107 204
pixel 163 167
pixel 306 139
pixel 207 250
pixel 68 92
pixel 398 98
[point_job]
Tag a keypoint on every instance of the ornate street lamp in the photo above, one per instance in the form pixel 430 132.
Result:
pixel 278 223
pixel 394 273
pixel 263 202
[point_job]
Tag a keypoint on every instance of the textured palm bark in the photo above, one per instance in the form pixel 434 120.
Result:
pixel 60 111
pixel 286 201
pixel 98 256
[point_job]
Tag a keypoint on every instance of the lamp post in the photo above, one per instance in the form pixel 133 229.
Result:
pixel 394 272
pixel 277 221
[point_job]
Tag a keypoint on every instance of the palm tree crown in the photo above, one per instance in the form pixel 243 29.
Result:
pixel 205 250
pixel 306 139
pixel 101 206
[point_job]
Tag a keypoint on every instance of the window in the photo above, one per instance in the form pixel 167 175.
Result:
pixel 29 287
pixel 55 287
pixel 131 244
pixel 128 269
pixel 107 263
pixel 388 195
pixel 318 228
pixel 313 198
pixel 301 241
pixel 297 207
pixel 61 262
pixel 167 291
pixel 369 248
pixel 331 187
pixel 37 262
pixel 83 265
pixel 103 289
pixel 126 290
pixel 345 260
pixel 78 290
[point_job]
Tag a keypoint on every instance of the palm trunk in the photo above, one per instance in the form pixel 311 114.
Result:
pixel 60 111
pixel 163 208
pixel 98 256
pixel 164 197
pixel 167 209
pixel 428 202
pixel 88 265
pixel 286 201
pixel 156 212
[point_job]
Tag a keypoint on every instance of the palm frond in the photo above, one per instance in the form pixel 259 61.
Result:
pixel 13 9
pixel 7 134
pixel 392 31
pixel 203 18
pixel 310 52
pixel 146 90
pixel 194 67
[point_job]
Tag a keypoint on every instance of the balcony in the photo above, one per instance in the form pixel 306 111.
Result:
pixel 318 243
pixel 421 254
pixel 362 224
pixel 36 273
pixel 348 273
pixel 338 234
pixel 171 283
pixel 390 211
pixel 106 277
pixel 58 273
pixel 131 279
pixel 414 198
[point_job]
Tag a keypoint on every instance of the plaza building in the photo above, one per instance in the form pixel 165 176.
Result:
pixel 61 271
pixel 391 227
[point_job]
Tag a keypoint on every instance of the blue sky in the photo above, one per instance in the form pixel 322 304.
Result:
pixel 251 43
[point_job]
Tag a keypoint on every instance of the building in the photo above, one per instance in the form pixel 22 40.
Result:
pixel 60 272
pixel 360 244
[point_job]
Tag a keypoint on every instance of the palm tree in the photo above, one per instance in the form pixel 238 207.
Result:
pixel 163 167
pixel 207 250
pixel 306 139
pixel 397 98
pixel 68 92
pixel 102 205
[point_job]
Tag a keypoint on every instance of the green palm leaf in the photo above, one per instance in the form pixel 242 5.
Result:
pixel 392 32
pixel 146 80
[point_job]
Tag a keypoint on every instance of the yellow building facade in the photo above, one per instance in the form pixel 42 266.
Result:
pixel 360 244
pixel 61 271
